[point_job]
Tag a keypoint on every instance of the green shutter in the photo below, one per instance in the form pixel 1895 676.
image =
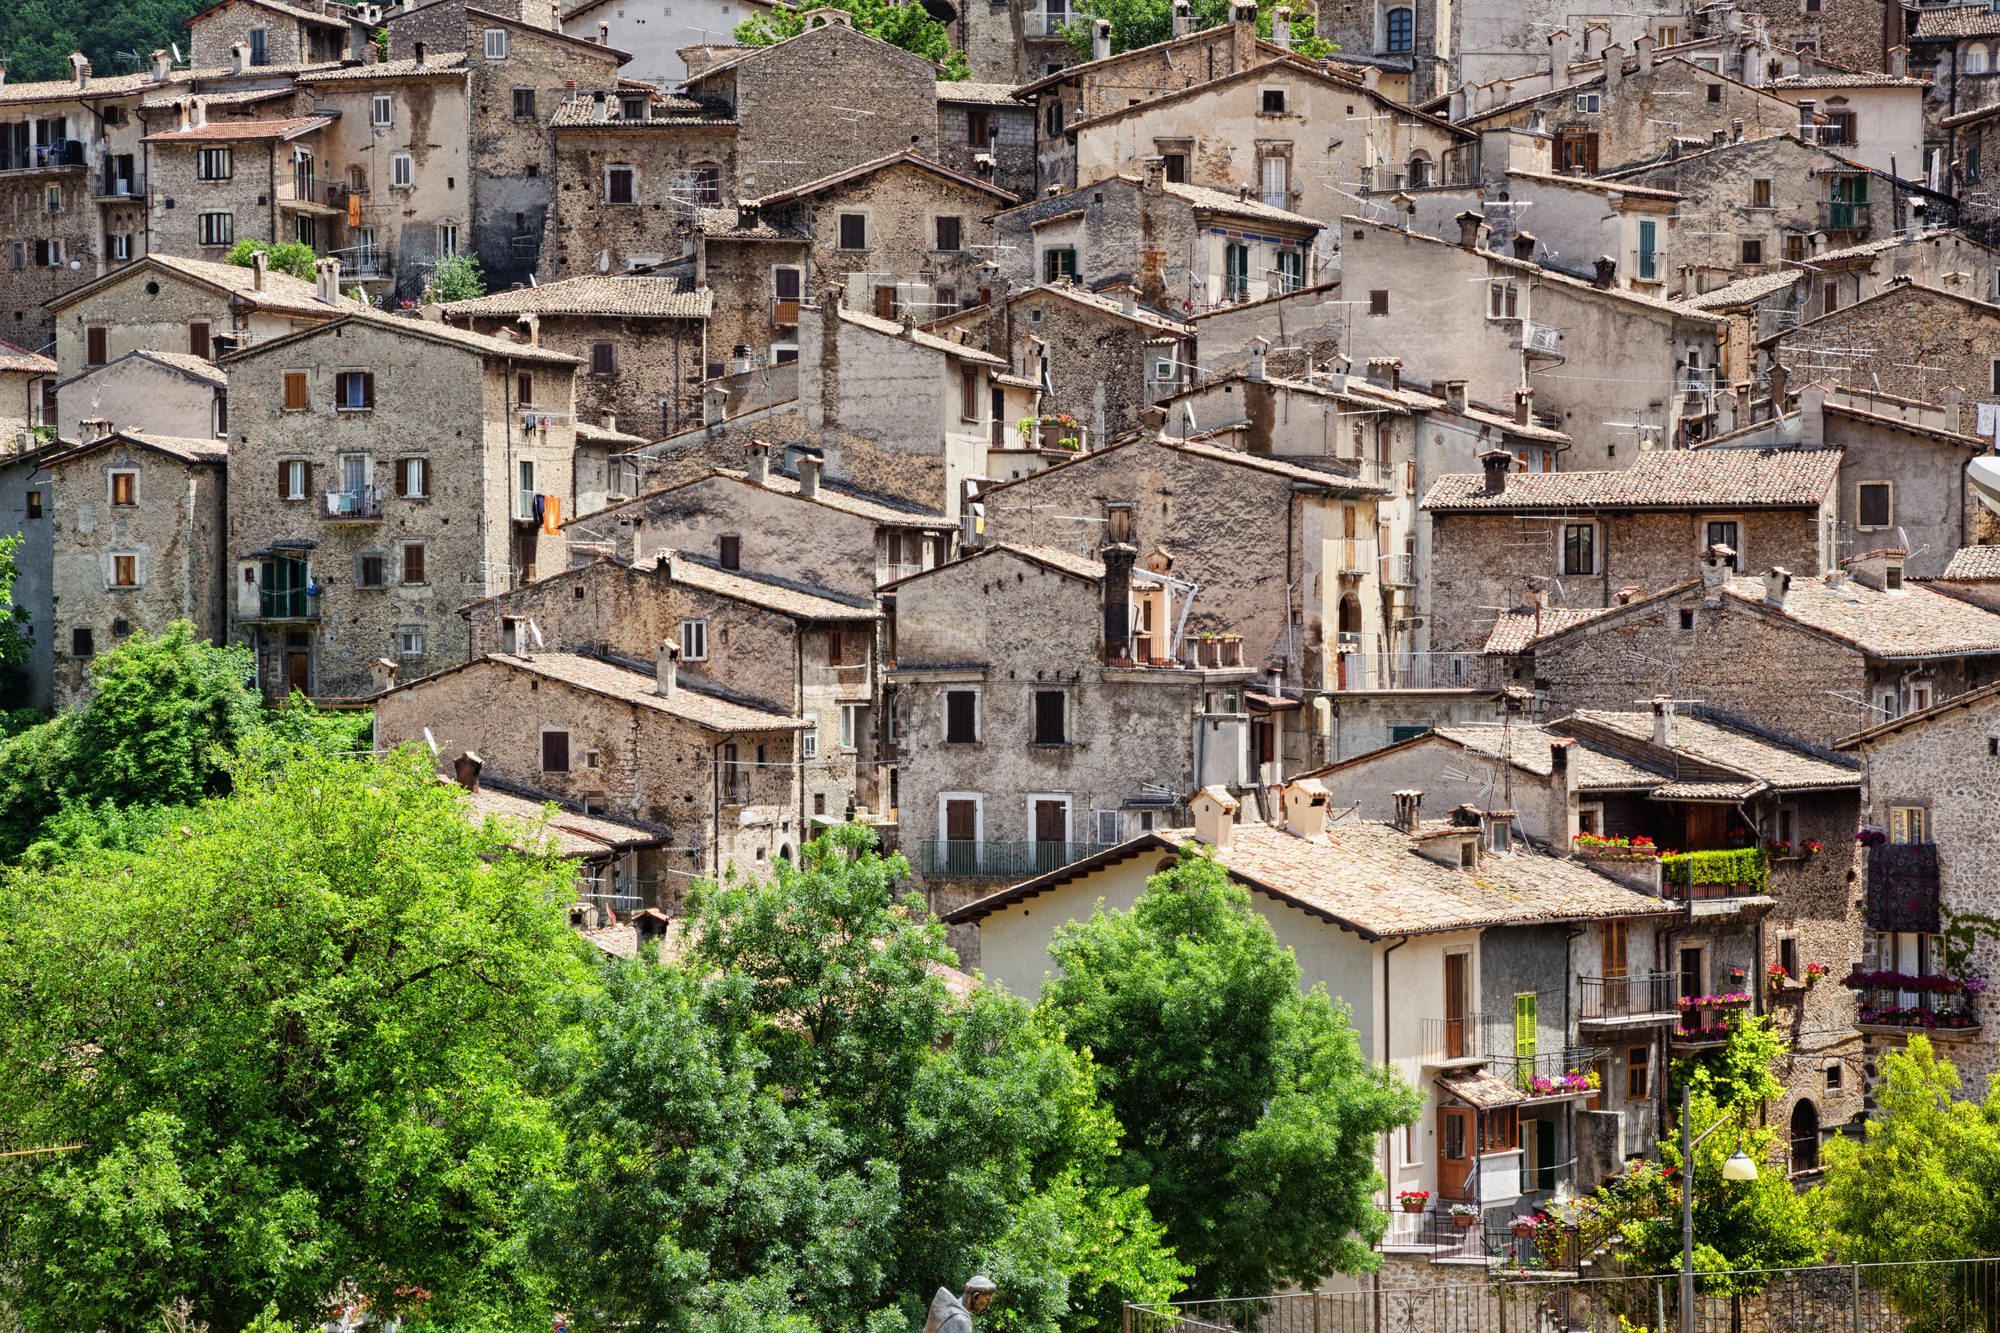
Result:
pixel 1524 1027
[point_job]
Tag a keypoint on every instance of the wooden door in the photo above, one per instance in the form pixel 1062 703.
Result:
pixel 298 672
pixel 1051 835
pixel 885 302
pixel 1707 827
pixel 1456 1045
pixel 1454 1152
pixel 1612 956
pixel 961 834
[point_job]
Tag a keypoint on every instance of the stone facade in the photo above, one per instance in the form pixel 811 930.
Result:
pixel 651 383
pixel 391 561
pixel 236 182
pixel 1950 342
pixel 983 131
pixel 680 161
pixel 288 36
pixel 161 394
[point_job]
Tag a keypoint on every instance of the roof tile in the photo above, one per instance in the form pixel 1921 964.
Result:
pixel 1661 479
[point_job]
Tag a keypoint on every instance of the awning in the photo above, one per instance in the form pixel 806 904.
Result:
pixel 1478 1088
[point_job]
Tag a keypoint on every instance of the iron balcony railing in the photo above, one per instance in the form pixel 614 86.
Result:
pixel 1459 1038
pixel 1417 671
pixel 362 504
pixel 1903 888
pixel 1839 215
pixel 1549 1073
pixel 1639 995
pixel 955 858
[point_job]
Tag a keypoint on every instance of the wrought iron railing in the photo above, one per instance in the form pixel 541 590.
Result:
pixel 1634 996
pixel 951 857
pixel 1417 671
pixel 1564 1072
pixel 363 503
pixel 1460 1038
pixel 1903 888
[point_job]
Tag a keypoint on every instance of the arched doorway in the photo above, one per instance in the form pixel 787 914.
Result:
pixel 1805 1137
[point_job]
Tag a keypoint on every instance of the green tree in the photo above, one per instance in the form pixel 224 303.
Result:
pixel 906 25
pixel 36 36
pixel 1251 1115
pixel 293 257
pixel 1738 1074
pixel 828 1130
pixel 14 634
pixel 455 278
pixel 1142 22
pixel 292 1038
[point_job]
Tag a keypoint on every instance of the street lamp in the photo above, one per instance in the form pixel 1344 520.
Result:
pixel 1738 1167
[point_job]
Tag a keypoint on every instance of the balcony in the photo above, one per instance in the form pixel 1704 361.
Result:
pixel 785 313
pixel 1417 671
pixel 1903 888
pixel 119 190
pixel 1546 1248
pixel 955 859
pixel 64 153
pixel 286 604
pixel 1842 216
pixel 1719 874
pixel 1551 1075
pixel 312 194
pixel 1446 1043
pixel 1704 1019
pixel 364 505
pixel 1219 652
pixel 1644 999
pixel 1045 23
pixel 1897 1004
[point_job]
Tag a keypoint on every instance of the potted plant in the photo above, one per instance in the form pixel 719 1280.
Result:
pixel 1814 971
pixel 1777 976
pixel 1464 1214
pixel 1413 1201
pixel 1523 1225
pixel 1809 849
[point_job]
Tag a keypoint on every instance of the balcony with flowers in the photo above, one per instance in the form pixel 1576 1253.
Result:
pixel 1936 1003
pixel 1705 1018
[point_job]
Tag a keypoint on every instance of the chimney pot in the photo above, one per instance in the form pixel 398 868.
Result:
pixel 417 53
pixel 1607 272
pixel 197 112
pixel 163 67
pixel 1497 463
pixel 1777 586
pixel 327 279
pixel 1409 809
pixel 1469 223
pixel 809 470
pixel 714 405
pixel 260 266
pixel 1153 174
pixel 1524 246
pixel 239 57
pixel 1454 395
pixel 1524 407
pixel 603 33
pixel 1100 39
pixel 666 668
pixel 1259 348
pixel 1281 27
pixel 1305 808
pixel 759 453
pixel 80 67
pixel 383 671
pixel 531 325
pixel 1663 721
pixel 466 769
pixel 1214 811
pixel 1183 18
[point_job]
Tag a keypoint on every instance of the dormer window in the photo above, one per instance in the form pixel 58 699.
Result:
pixel 632 108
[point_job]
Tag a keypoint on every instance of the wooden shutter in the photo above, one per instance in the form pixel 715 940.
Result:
pixel 94 346
pixel 198 340
pixel 284 480
pixel 833 647
pixel 403 476
pixel 555 752
pixel 295 391
pixel 1524 1027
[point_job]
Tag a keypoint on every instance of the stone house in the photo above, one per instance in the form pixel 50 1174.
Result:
pixel 1468 962
pixel 239 180
pixel 984 132
pixel 901 233
pixel 1954 48
pixel 1283 556
pixel 171 394
pixel 1635 371
pixel 634 171
pixel 27 385
pixel 655 37
pixel 1039 720
pixel 1186 248
pixel 1949 261
pixel 1253 137
pixel 822 537
pixel 1868 116
pixel 1581 539
pixel 871 100
pixel 135 542
pixel 756 640
pixel 398 167
pixel 723 776
pixel 603 471
pixel 1928 883
pixel 1098 358
pixel 620 861
pixel 276 33
pixel 1858 37
pixel 356 444
pixel 164 303
pixel 642 341
pixel 755 270
pixel 1848 650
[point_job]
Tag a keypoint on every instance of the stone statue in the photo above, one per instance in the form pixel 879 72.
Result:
pixel 953 1314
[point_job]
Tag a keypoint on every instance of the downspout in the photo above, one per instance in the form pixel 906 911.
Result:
pixel 715 806
pixel 507 472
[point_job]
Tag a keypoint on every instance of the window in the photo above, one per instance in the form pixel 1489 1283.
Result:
pixel 414 572
pixel 694 641
pixel 82 643
pixel 34 504
pixel 852 725
pixel 844 648
pixel 1503 301
pixel 1275 177
pixel 1835 1076
pixel 968 395
pixel 1053 121
pixel 1788 957
pixel 294 479
pixel 1590 103
pixel 604 358
pixel 1687 617
pixel 447 239
pixel 1795 247
pixel 1058 264
pixel 634 108
pixel 555 752
pixel 961 717
pixel 1649 240
pixel 1724 532
pixel 1235 272
pixel 853 231
pixel 947 300
pixel 1576 151
pixel 1909 824
pixel 260 47
pixel 1760 193
pixel 1752 250
pixel 124 571
pixel 524 389
pixel 120 245
pixel 1399 29
pixel 949 235
pixel 705 184
pixel 809 749
pixel 198 339
pixel 1176 168
pixel 618 185
pixel 213 164
pixel 1271 101
pixel 1579 548
pixel 1378 302
pixel 124 489
pixel 1500 1131
pixel 97 335
pixel 402 171
pixel 496 43
pixel 382 109
pixel 524 104
pixel 1638 1073
pixel 1874 509
pixel 413 478
pixel 354 391
pixel 1051 717
pixel 410 642
pixel 524 486
pixel 978 127
pixel 216 228
pixel 370 571
pixel 1842 128
pixel 729 552
pixel 1291 270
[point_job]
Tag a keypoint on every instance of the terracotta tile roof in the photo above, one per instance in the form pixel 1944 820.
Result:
pixel 188 364
pixel 1912 622
pixel 282 291
pixel 238 131
pixel 1208 36
pixel 772 594
pixel 996 94
pixel 1528 748
pixel 639 687
pixel 1517 631
pixel 1918 718
pixel 1476 1087
pixel 443 63
pixel 573 834
pixel 1704 791
pixel 1661 479
pixel 1754 759
pixel 1332 481
pixel 587 433
pixel 667 113
pixel 878 509
pixel 1069 562
pixel 662 298
pixel 1745 291
pixel 246 97
pixel 276 7
pixel 1599 186
pixel 110 85
pixel 1221 201
pixel 1974 562
pixel 1957 21
pixel 21 361
pixel 907 157
pixel 728 223
pixel 1105 305
pixel 890 328
pixel 1856 80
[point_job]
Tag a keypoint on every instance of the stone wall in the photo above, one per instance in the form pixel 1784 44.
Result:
pixel 259 169
pixel 902 205
pixel 654 388
pixel 1011 145
pixel 1953 343
pixel 27 278
pixel 588 234
pixel 151 309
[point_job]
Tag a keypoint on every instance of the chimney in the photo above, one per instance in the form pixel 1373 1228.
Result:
pixel 1386 371
pixel 1778 375
pixel 417 53
pixel 1409 809
pixel 383 672
pixel 714 405
pixel 759 454
pixel 531 325
pixel 326 275
pixel 466 768
pixel 1663 722
pixel 1881 570
pixel 1614 66
pixel 599 112
pixel 1281 27
pixel 1899 62
pixel 239 57
pixel 1560 42
pixel 666 668
pixel 1496 463
pixel 93 429
pixel 1214 811
pixel 809 468
pixel 1469 223
pixel 260 267
pixel 603 33
pixel 1524 246
pixel 1128 301
pixel 1643 48
pixel 1736 129
pixel 1118 561
pixel 1305 802
pixel 1777 586
pixel 79 67
pixel 1454 395
pixel 1524 407
pixel 182 108
pixel 1153 175
pixel 163 67
pixel 1100 39
pixel 1242 34
pixel 1607 273
pixel 1259 347
pixel 1183 18
pixel 1812 417
pixel 1717 564
pixel 197 112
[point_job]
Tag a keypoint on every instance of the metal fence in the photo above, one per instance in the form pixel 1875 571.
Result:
pixel 1961 1296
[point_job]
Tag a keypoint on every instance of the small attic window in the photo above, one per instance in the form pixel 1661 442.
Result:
pixel 1272 101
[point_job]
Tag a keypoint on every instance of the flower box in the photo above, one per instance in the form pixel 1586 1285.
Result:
pixel 1413 1201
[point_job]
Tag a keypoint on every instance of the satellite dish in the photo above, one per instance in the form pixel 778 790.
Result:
pixel 1984 474
pixel 535 630
pixel 177 52
pixel 431 741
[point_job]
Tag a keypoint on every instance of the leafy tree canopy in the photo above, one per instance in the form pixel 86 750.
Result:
pixel 36 36
pixel 14 635
pixel 1737 1075
pixel 829 1130
pixel 1250 1113
pixel 1143 22
pixel 455 278
pixel 292 1038
pixel 293 257
pixel 906 25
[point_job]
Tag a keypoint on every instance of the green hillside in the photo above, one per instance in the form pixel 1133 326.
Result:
pixel 36 36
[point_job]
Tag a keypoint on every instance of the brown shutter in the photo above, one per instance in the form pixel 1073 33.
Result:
pixel 309 481
pixel 283 478
pixel 402 470
pixel 368 388
pixel 424 470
